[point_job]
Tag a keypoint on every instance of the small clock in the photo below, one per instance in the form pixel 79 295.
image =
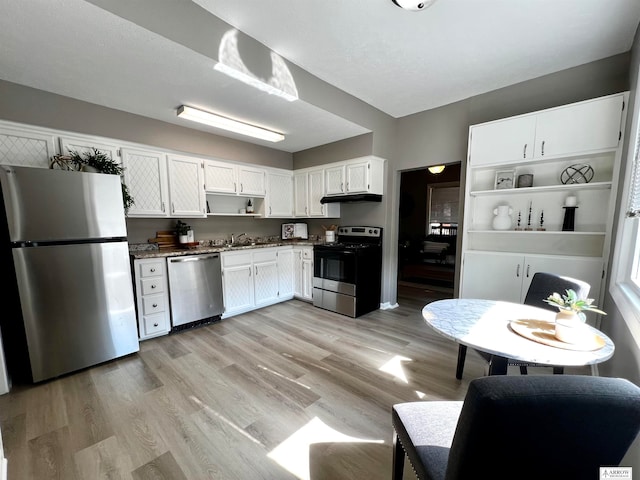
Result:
pixel 504 179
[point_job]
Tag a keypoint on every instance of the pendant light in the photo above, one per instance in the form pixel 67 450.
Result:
pixel 414 5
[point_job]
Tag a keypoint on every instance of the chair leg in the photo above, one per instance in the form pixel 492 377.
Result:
pixel 558 370
pixel 462 353
pixel 398 459
pixel 523 370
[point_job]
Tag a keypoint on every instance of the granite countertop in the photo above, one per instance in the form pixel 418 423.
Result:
pixel 175 252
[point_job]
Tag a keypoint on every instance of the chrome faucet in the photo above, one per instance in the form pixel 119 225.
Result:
pixel 233 239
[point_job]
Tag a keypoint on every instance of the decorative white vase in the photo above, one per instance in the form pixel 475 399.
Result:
pixel 570 327
pixel 183 238
pixel 502 219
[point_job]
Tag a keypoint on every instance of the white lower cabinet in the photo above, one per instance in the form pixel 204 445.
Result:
pixel 303 272
pixel 256 278
pixel 265 280
pixel 152 297
pixel 507 276
pixel 286 273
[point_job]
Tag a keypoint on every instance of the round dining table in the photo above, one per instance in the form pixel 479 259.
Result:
pixel 513 331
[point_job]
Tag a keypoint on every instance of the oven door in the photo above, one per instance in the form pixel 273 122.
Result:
pixel 338 265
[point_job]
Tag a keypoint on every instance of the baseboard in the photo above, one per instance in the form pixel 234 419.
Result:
pixel 388 306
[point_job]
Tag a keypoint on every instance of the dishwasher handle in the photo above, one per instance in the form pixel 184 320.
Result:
pixel 193 258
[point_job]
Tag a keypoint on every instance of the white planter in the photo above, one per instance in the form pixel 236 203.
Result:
pixel 183 238
pixel 570 328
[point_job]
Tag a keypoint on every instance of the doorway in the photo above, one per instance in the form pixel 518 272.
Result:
pixel 427 233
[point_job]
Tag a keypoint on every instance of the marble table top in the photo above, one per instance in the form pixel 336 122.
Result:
pixel 484 325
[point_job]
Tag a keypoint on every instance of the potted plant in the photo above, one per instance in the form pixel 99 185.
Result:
pixel 570 319
pixel 182 231
pixel 99 162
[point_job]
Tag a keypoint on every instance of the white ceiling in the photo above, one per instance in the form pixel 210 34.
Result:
pixel 400 62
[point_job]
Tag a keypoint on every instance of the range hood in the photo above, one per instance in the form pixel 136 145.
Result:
pixel 358 197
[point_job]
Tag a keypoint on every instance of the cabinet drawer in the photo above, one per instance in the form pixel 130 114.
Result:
pixel 153 304
pixel 307 253
pixel 154 324
pixel 152 285
pixel 151 269
pixel 236 259
pixel 265 255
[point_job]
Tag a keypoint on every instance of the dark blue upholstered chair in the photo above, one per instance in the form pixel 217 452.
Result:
pixel 524 427
pixel 542 285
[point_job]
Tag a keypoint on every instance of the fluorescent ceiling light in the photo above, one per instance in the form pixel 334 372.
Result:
pixel 225 123
pixel 436 169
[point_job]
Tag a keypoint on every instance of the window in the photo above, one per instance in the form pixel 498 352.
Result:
pixel 625 278
pixel 444 200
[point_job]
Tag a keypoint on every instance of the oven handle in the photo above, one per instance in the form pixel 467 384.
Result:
pixel 332 250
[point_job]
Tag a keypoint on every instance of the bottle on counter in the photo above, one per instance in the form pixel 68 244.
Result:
pixel 249 206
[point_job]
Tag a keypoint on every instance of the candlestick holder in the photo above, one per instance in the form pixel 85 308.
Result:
pixel 568 225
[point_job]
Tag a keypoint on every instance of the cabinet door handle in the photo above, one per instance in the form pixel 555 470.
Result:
pixel 155 324
pixel 528 267
pixel 306 211
pixel 241 188
pixel 524 151
pixel 155 305
pixel 235 188
pixel 173 207
pixel 256 270
pixel 153 286
pixel 518 271
pixel 269 209
pixel 162 207
pixel 152 270
pixel 543 148
pixel 342 186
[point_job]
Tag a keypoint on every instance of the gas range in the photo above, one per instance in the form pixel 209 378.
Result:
pixel 347 274
pixel 356 238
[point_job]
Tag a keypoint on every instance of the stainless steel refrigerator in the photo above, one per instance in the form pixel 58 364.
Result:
pixel 65 259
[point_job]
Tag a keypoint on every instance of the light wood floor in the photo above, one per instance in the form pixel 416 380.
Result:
pixel 289 391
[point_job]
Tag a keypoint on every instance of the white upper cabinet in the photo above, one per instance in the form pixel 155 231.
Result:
pixel 308 190
pixel 583 127
pixel 358 175
pixel 301 194
pixel 579 128
pixel 26 147
pixel 145 173
pixel 84 145
pixel 335 180
pixel 279 199
pixel 251 181
pixel 220 177
pixel 504 141
pixel 186 187
pixel 234 179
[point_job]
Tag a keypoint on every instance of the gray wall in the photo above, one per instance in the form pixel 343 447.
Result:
pixel 36 107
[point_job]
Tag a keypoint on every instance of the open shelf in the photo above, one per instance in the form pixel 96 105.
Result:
pixel 543 189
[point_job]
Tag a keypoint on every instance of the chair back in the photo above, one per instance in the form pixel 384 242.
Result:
pixel 544 426
pixel 545 284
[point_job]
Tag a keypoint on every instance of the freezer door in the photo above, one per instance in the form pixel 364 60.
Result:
pixel 77 305
pixel 56 205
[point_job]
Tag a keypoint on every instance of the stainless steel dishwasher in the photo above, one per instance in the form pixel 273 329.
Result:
pixel 195 289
